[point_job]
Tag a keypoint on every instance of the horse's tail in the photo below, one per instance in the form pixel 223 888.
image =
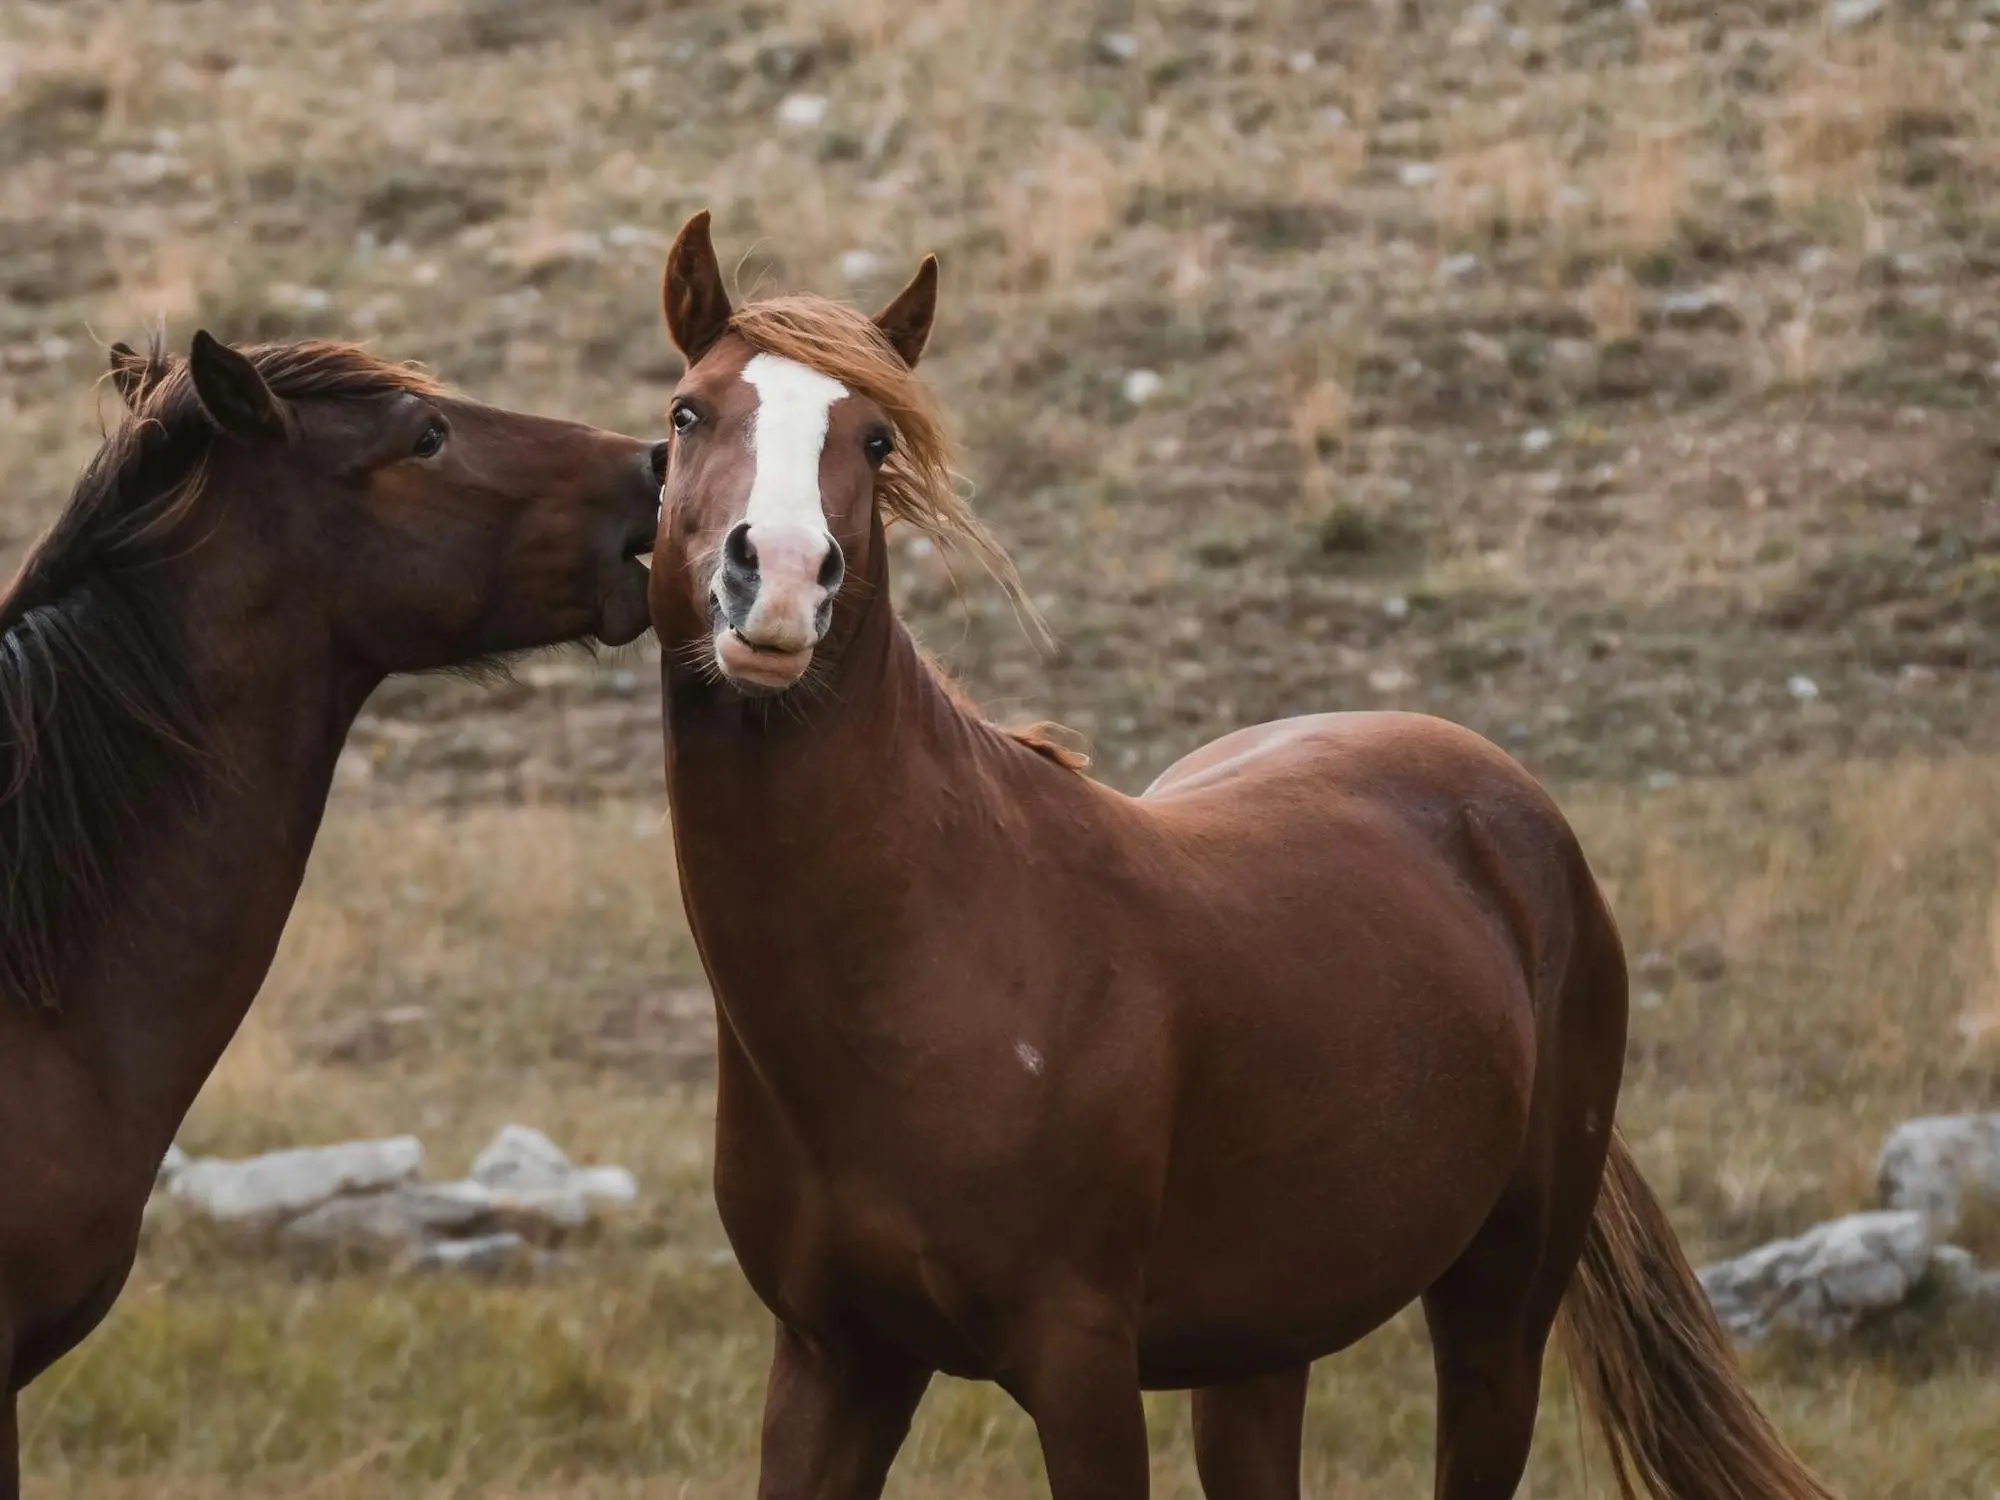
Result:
pixel 1655 1369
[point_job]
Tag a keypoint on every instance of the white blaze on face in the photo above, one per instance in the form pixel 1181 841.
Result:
pixel 786 439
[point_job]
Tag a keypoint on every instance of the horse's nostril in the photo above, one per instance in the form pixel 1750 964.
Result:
pixel 738 551
pixel 833 568
pixel 658 461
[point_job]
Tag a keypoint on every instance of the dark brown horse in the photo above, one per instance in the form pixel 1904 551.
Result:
pixel 1029 1081
pixel 262 540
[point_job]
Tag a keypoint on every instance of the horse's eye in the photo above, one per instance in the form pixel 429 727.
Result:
pixel 685 418
pixel 878 446
pixel 430 442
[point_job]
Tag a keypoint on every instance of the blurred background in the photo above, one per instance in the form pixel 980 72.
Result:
pixel 1617 377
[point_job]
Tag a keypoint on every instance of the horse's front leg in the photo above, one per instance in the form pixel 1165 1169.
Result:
pixel 1078 1377
pixel 10 1445
pixel 832 1420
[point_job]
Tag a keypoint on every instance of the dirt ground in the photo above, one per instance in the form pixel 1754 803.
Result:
pixel 1618 379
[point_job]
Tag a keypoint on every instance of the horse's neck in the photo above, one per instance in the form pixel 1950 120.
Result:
pixel 195 916
pixel 807 848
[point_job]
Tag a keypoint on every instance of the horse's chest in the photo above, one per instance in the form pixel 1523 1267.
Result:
pixel 61 1268
pixel 849 1257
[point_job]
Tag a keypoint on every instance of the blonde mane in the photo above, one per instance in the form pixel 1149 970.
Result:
pixel 917 484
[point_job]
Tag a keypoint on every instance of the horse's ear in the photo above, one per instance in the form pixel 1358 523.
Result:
pixel 696 302
pixel 129 369
pixel 907 320
pixel 232 392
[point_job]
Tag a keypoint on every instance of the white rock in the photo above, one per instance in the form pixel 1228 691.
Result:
pixel 1825 1282
pixel 609 1185
pixel 1802 688
pixel 401 1218
pixel 489 1252
pixel 1931 1165
pixel 802 111
pixel 1117 46
pixel 1703 307
pixel 520 1156
pixel 284 1184
pixel 524 1173
pixel 548 1212
pixel 1537 440
pixel 1140 386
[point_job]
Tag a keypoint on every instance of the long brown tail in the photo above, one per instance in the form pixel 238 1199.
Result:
pixel 1655 1369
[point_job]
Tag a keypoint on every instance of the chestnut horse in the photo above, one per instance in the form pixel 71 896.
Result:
pixel 264 538
pixel 1028 1081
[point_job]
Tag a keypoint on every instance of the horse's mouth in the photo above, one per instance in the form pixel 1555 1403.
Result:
pixel 758 668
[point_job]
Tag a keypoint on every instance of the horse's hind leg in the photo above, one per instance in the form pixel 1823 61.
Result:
pixel 1490 1315
pixel 1247 1436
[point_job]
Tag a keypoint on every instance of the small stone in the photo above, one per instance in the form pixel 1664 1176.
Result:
pixel 1537 440
pixel 802 111
pixel 522 1157
pixel 859 265
pixel 486 1254
pixel 285 1184
pixel 1932 1165
pixel 612 1186
pixel 1140 386
pixel 1825 1282
pixel 1802 687
pixel 397 1220
pixel 1396 607
pixel 1705 307
pixel 1117 47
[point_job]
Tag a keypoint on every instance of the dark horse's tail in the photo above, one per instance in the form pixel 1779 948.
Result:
pixel 1654 1367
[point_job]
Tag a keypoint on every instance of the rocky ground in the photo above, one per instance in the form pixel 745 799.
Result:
pixel 1617 379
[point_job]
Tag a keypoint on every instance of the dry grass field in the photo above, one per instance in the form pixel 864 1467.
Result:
pixel 1616 378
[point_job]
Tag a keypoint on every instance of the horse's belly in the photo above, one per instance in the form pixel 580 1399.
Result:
pixel 1332 1158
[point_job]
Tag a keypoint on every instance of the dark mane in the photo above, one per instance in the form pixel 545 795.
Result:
pixel 101 719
